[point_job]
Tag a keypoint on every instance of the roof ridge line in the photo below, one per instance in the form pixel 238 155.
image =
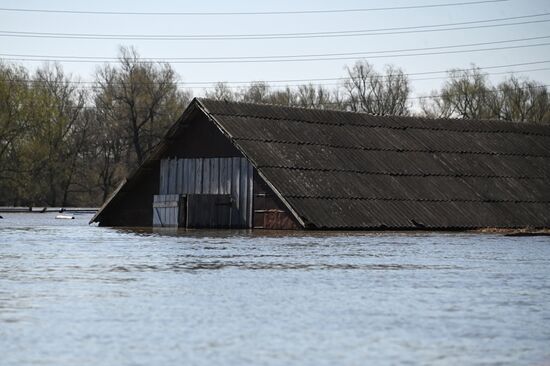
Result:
pixel 393 127
pixel 400 174
pixel 260 104
pixel 388 149
pixel 356 198
pixel 322 109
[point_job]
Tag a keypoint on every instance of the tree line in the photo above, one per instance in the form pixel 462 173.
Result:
pixel 66 143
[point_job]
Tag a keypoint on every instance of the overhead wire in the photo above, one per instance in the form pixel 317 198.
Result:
pixel 299 35
pixel 287 58
pixel 291 58
pixel 271 12
pixel 418 97
pixel 241 84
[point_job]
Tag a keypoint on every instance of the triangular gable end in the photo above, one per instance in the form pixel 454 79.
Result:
pixel 195 138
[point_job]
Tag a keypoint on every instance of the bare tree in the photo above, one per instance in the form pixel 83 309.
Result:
pixel 285 97
pixel 521 101
pixel 256 92
pixel 311 96
pixel 60 128
pixel 14 123
pixel 140 96
pixel 466 94
pixel 368 91
pixel 222 91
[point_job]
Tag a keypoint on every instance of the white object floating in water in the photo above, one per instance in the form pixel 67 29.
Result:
pixel 65 217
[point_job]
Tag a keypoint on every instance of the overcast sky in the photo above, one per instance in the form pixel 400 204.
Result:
pixel 102 24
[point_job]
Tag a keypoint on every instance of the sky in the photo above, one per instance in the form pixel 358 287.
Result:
pixel 381 49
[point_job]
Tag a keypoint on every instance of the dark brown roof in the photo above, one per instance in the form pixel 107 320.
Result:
pixel 342 170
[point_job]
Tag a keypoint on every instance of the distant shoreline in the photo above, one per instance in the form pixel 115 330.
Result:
pixel 42 209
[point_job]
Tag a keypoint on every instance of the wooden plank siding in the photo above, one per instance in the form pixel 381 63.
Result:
pixel 168 210
pixel 212 176
pixel 209 211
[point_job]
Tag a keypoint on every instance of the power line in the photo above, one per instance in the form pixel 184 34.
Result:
pixel 301 35
pixel 304 57
pixel 381 76
pixel 240 84
pixel 424 97
pixel 419 98
pixel 149 60
pixel 491 91
pixel 287 12
pixel 494 90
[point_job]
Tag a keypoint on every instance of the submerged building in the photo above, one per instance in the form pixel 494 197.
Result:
pixel 237 165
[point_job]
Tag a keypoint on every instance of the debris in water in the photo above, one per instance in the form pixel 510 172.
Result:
pixel 66 217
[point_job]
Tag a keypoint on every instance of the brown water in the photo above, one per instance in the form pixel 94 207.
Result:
pixel 73 294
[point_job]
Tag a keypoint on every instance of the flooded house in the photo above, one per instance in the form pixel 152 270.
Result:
pixel 238 165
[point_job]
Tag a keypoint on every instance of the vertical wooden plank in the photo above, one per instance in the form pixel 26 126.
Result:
pixel 173 176
pixel 229 174
pixel 155 221
pixel 235 188
pixel 184 174
pixel 214 176
pixel 223 176
pixel 161 178
pixel 198 176
pixel 179 182
pixel 172 213
pixel 175 202
pixel 190 212
pixel 206 176
pixel 221 172
pixel 229 164
pixel 167 177
pixel 243 198
pixel 186 211
pixel 190 166
pixel 165 219
pixel 163 210
pixel 250 190
pixel 175 167
pixel 225 211
pixel 173 216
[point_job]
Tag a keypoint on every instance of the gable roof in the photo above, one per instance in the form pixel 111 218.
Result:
pixel 352 170
pixel 344 170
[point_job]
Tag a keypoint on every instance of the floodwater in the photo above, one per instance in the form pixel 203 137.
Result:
pixel 73 294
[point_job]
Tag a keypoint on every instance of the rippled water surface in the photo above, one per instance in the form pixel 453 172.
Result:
pixel 73 294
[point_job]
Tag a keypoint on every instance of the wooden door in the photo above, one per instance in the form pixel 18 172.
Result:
pixel 169 210
pixel 209 210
